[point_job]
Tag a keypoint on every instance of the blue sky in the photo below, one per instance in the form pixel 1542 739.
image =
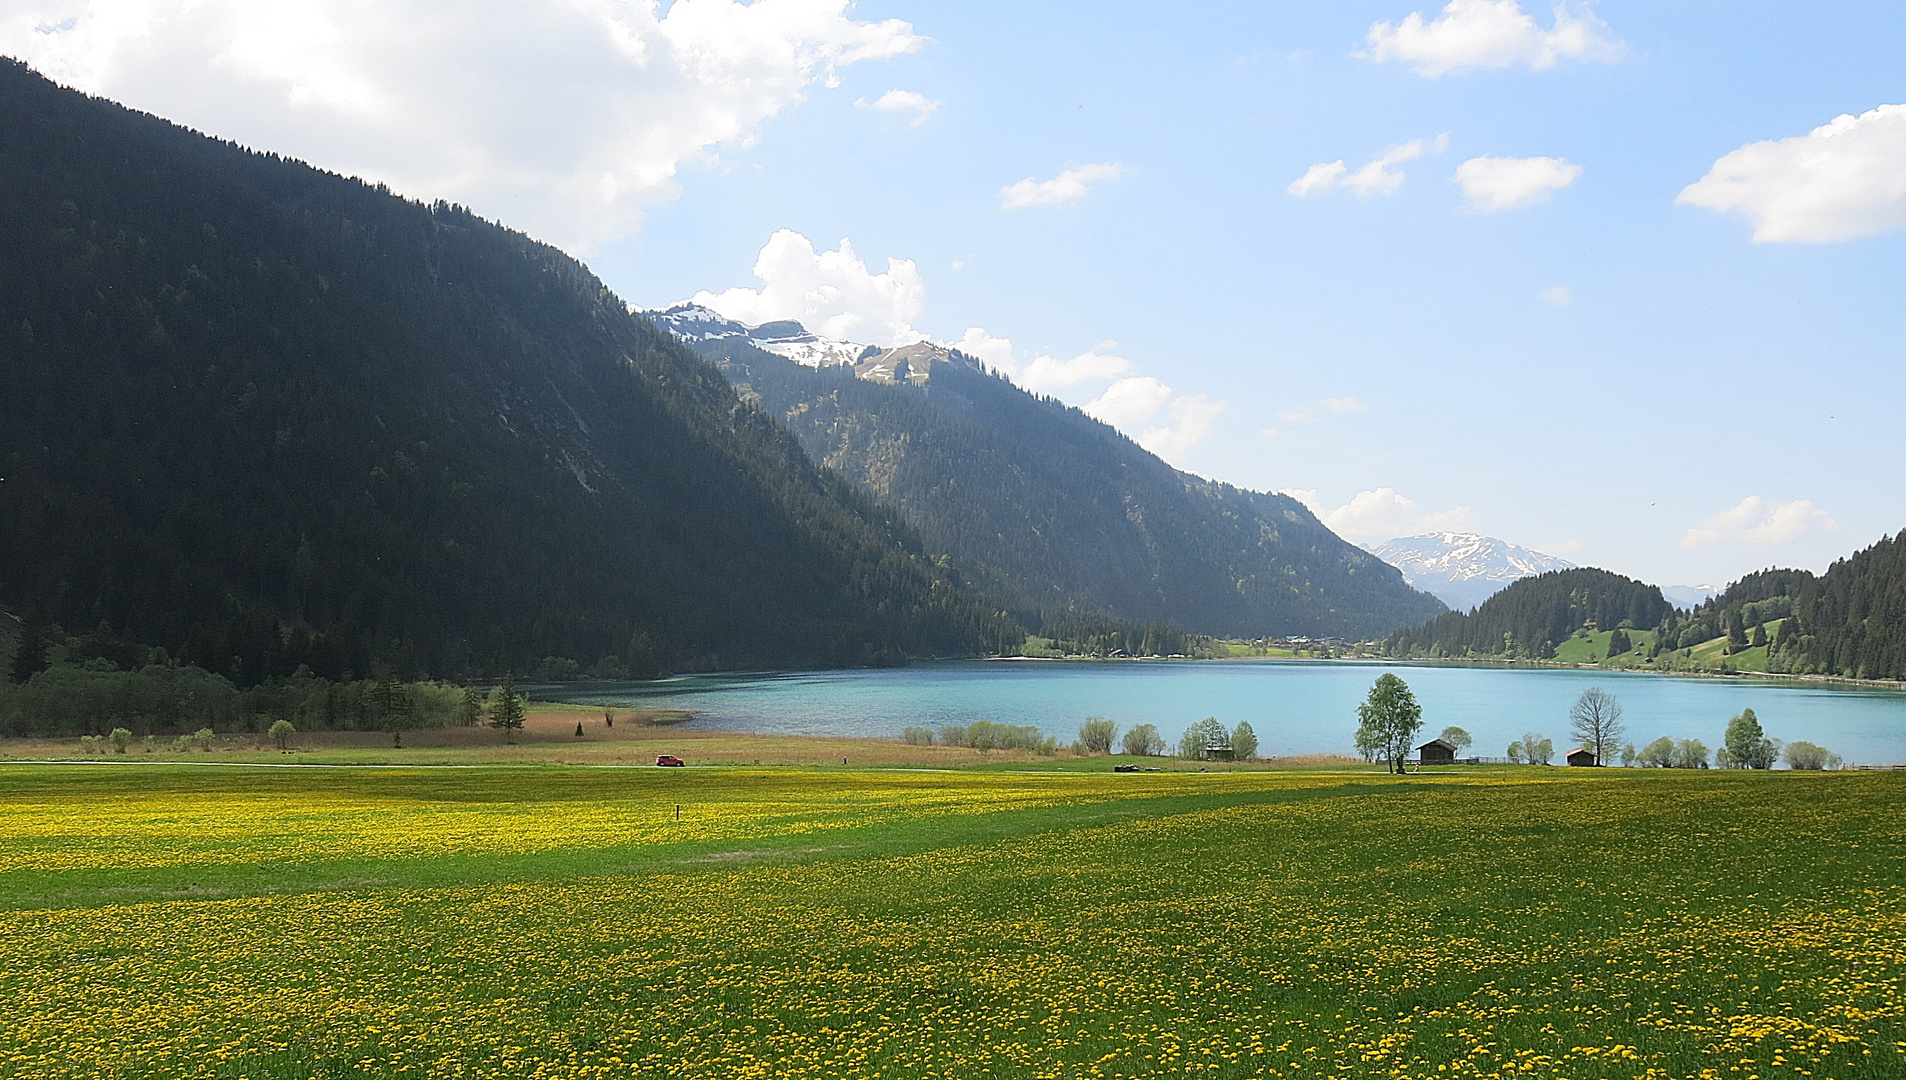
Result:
pixel 1555 352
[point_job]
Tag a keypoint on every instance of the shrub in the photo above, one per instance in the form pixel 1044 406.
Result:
pixel 917 736
pixel 90 744
pixel 121 738
pixel 202 739
pixel 1144 741
pixel 1096 735
pixel 281 733
pixel 1810 757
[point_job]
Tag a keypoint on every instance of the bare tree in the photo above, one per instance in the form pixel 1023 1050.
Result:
pixel 1595 719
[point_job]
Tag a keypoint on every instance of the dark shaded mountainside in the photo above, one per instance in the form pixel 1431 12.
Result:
pixel 1052 514
pixel 1848 622
pixel 263 416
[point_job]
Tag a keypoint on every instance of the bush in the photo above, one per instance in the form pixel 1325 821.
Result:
pixel 120 738
pixel 986 735
pixel 917 736
pixel 1658 754
pixel 1810 757
pixel 91 744
pixel 1144 741
pixel 281 733
pixel 202 739
pixel 1096 735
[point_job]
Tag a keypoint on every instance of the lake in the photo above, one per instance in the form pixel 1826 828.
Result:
pixel 1295 706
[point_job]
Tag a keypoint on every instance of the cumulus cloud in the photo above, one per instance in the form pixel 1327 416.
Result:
pixel 1559 295
pixel 1505 183
pixel 1380 514
pixel 832 293
pixel 1192 417
pixel 977 343
pixel 1760 522
pixel 1378 177
pixel 1841 181
pixel 902 101
pixel 1069 186
pixel 1049 374
pixel 1472 34
pixel 1129 402
pixel 567 118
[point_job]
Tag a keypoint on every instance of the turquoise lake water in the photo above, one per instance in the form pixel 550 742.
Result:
pixel 1295 706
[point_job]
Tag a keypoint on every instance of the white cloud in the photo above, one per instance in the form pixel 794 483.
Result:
pixel 1760 522
pixel 1380 514
pixel 1841 181
pixel 1069 186
pixel 1505 183
pixel 1129 402
pixel 566 118
pixel 832 293
pixel 1559 295
pixel 1375 178
pixel 902 101
pixel 1047 374
pixel 997 352
pixel 1344 404
pixel 1192 418
pixel 1472 34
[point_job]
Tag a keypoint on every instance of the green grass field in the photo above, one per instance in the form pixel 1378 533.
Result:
pixel 547 921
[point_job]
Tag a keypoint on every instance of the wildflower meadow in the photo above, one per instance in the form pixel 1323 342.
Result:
pixel 733 923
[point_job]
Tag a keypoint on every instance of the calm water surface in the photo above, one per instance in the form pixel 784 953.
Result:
pixel 1296 706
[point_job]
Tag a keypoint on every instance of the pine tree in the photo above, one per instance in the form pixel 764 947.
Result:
pixel 506 708
pixel 29 654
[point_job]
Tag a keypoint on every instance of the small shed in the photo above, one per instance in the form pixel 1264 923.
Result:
pixel 1582 755
pixel 1437 752
pixel 1220 753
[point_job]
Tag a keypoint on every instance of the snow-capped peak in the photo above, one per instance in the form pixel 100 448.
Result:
pixel 694 324
pixel 1463 569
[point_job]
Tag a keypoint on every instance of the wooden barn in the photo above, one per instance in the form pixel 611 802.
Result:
pixel 1436 752
pixel 1582 755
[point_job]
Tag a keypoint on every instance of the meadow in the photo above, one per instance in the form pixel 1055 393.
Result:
pixel 552 921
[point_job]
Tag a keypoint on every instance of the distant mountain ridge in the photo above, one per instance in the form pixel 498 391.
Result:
pixel 1464 569
pixel 1046 511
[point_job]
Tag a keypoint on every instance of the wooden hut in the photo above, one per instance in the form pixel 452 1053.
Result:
pixel 1436 752
pixel 1582 755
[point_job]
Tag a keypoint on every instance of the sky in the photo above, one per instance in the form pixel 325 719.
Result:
pixel 1620 282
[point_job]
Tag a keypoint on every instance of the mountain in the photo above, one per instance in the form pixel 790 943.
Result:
pixel 1690 596
pixel 1530 617
pixel 1463 569
pixel 1048 512
pixel 265 416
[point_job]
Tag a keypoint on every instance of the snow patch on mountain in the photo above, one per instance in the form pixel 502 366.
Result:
pixel 1463 569
pixel 695 324
pixel 1689 596
pixel 700 328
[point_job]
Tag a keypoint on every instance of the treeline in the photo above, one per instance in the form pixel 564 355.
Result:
pixel 269 418
pixel 1529 617
pixel 1071 634
pixel 164 697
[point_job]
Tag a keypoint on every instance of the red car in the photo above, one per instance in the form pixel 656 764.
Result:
pixel 669 759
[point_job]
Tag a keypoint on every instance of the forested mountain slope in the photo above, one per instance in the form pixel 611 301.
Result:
pixel 1048 511
pixel 1531 616
pixel 262 415
pixel 1851 620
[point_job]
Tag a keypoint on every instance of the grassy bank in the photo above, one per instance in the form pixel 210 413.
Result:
pixel 566 922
